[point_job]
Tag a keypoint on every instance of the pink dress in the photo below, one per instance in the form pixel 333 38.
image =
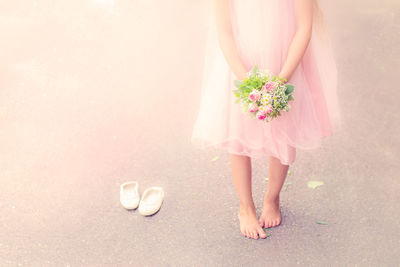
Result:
pixel 263 36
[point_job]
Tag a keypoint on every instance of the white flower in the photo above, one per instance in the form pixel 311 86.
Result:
pixel 266 97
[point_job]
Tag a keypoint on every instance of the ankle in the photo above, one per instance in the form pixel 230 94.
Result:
pixel 271 199
pixel 247 208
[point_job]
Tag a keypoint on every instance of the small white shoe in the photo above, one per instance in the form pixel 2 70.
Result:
pixel 129 195
pixel 151 201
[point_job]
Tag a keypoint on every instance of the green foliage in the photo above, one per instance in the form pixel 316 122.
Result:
pixel 289 88
pixel 281 79
pixel 237 83
pixel 255 69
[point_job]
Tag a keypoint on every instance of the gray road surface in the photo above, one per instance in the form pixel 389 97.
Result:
pixel 50 217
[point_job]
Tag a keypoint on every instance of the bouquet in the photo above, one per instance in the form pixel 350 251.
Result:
pixel 263 95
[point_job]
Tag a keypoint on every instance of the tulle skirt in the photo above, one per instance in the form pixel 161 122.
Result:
pixel 263 37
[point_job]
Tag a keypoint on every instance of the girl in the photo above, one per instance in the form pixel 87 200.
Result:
pixel 287 38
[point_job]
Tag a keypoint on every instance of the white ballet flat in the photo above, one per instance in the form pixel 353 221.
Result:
pixel 151 201
pixel 129 195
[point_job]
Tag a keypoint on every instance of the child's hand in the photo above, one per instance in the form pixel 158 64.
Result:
pixel 282 79
pixel 242 76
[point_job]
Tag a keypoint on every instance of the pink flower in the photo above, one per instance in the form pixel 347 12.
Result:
pixel 253 107
pixel 261 115
pixel 269 86
pixel 254 95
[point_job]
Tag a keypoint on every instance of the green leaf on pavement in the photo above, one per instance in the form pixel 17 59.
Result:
pixel 285 185
pixel 314 184
pixel 322 222
pixel 215 158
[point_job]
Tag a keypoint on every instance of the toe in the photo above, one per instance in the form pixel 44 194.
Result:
pixel 255 234
pixel 250 234
pixel 243 232
pixel 262 233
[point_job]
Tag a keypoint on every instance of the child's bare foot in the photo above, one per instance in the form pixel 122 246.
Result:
pixel 271 215
pixel 249 225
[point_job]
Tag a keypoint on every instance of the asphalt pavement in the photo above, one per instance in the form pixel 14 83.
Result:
pixel 69 137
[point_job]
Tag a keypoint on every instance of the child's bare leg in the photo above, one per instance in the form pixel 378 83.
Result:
pixel 241 172
pixel 271 215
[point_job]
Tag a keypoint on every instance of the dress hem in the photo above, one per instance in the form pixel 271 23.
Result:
pixel 206 144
